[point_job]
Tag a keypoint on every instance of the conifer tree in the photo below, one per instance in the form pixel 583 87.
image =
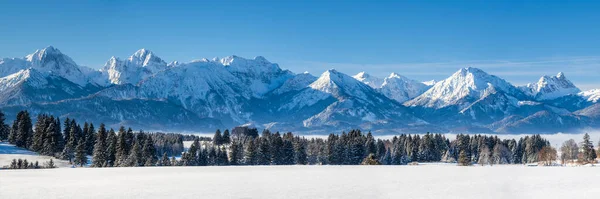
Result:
pixel 80 154
pixel 50 164
pixel 164 160
pixel 22 130
pixel 149 152
pixel 235 151
pixel 134 156
pixel 4 129
pixel 264 152
pixel 122 151
pixel 288 155
pixel 589 154
pixel 251 153
pixel 111 149
pixel 218 138
pixel 226 137
pixel 90 137
pixel 99 158
pixel 300 153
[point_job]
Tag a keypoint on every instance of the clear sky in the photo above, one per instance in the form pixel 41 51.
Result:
pixel 516 40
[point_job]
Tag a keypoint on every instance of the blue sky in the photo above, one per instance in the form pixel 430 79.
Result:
pixel 519 41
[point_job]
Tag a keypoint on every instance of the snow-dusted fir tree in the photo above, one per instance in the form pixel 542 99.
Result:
pixel 80 154
pixel 99 153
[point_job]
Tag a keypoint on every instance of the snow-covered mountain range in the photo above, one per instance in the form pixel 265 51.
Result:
pixel 144 91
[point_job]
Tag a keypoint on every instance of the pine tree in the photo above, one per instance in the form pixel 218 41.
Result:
pixel 122 149
pixel 22 134
pixel 218 138
pixel 111 149
pixel 90 137
pixel 164 160
pixel 264 152
pixel 80 154
pixel 371 147
pixel 50 164
pixel 39 133
pixel 149 152
pixel 235 151
pixel 134 156
pixel 226 137
pixel 99 158
pixel 251 153
pixel 288 155
pixel 276 152
pixel 4 129
pixel 300 153
pixel 589 154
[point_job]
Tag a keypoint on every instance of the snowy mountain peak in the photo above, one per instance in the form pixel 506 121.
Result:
pixel 372 81
pixel 462 88
pixel 400 88
pixel 146 58
pixel 46 53
pixel 551 87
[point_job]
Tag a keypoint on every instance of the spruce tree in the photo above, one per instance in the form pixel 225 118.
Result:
pixel 80 154
pixel 226 137
pixel 134 156
pixel 90 137
pixel 288 155
pixel 149 152
pixel 4 129
pixel 264 152
pixel 217 138
pixel 164 160
pixel 251 153
pixel 589 154
pixel 111 149
pixel 99 158
pixel 22 134
pixel 50 164
pixel 234 154
pixel 39 133
pixel 300 153
pixel 122 149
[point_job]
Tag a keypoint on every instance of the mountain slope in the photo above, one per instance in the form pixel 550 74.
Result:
pixel 463 88
pixel 551 87
pixel 336 100
pixel 48 60
pixel 29 85
pixel 137 67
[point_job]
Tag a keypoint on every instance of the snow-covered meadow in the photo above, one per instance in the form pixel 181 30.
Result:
pixel 424 181
pixel 8 152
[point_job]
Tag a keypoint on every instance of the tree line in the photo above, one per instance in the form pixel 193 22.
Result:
pixel 104 147
pixel 77 144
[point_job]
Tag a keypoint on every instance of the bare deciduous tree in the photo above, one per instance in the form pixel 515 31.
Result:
pixel 547 155
pixel 569 151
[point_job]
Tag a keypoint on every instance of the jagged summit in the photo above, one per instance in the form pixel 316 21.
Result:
pixel 463 87
pixel 551 87
pixel 370 80
pixel 234 90
pixel 400 88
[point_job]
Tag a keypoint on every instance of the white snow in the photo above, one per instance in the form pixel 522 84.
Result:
pixel 467 82
pixel 551 87
pixel 423 181
pixel 591 95
pixel 8 152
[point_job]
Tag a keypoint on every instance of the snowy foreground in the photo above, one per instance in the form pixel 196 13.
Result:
pixel 424 181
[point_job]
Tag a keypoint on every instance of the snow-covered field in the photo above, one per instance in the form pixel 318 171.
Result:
pixel 9 152
pixel 425 181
